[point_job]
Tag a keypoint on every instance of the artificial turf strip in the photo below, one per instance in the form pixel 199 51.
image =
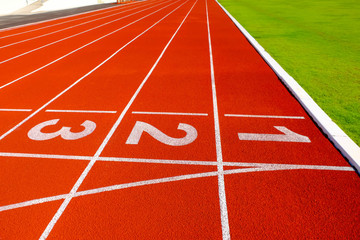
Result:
pixel 317 43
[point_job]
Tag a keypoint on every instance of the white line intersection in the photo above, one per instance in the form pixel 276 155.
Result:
pixel 243 168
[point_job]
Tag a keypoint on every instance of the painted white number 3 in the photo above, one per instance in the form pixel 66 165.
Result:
pixel 36 134
pixel 140 127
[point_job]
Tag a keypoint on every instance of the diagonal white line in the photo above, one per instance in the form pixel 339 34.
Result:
pixel 180 178
pixel 32 202
pixel 170 113
pixel 106 140
pixel 289 166
pixel 229 164
pixel 82 32
pixel 147 182
pixel 153 181
pixel 221 181
pixel 63 29
pixel 87 74
pixel 105 11
pixel 106 189
pixel 68 54
pixel 263 116
pixel 308 167
pixel 180 162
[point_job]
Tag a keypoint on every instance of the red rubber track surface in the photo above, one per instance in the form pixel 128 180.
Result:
pixel 182 134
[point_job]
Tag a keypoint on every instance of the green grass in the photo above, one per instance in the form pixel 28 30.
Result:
pixel 318 43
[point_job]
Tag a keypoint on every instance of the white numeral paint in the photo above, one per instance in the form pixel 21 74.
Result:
pixel 140 127
pixel 289 136
pixel 36 134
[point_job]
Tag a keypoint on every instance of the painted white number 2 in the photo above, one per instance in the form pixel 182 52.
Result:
pixel 140 127
pixel 36 134
pixel 288 136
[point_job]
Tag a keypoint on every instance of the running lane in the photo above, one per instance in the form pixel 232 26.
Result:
pixel 179 209
pixel 262 123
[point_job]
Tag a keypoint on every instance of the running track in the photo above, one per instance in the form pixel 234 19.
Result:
pixel 158 120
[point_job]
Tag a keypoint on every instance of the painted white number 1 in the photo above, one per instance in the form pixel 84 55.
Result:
pixel 289 136
pixel 36 134
pixel 140 127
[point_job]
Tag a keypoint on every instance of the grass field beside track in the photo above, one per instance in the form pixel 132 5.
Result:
pixel 317 43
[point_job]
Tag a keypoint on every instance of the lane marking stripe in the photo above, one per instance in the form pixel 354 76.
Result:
pixel 79 111
pixel 14 110
pixel 181 162
pixel 230 164
pixel 143 183
pixel 171 113
pixel 32 202
pixel 68 54
pixel 87 74
pixel 221 182
pixel 263 116
pixel 73 191
pixel 49 156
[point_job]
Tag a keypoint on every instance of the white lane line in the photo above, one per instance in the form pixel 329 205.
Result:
pixel 57 18
pixel 153 181
pixel 289 166
pixel 73 191
pixel 105 11
pixel 146 182
pixel 221 182
pixel 14 110
pixel 79 111
pixel 87 74
pixel 79 33
pixel 230 164
pixel 47 156
pixel 63 29
pixel 157 161
pixel 171 113
pixel 106 189
pixel 309 167
pixel 32 202
pixel 68 54
pixel 178 162
pixel 109 159
pixel 176 178
pixel 263 116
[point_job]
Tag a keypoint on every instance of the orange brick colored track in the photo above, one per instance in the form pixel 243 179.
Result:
pixel 158 120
